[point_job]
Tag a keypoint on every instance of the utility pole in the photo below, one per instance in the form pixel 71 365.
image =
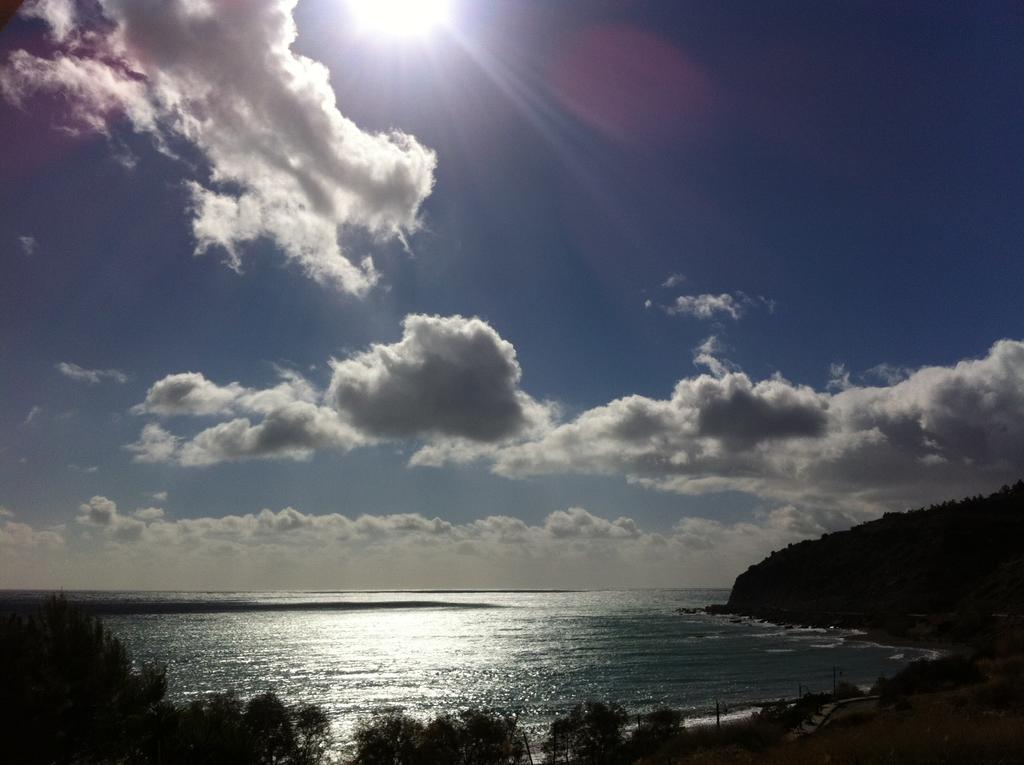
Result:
pixel 718 715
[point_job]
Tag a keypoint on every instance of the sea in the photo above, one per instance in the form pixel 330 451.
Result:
pixel 532 654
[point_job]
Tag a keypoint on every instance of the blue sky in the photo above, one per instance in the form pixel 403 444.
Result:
pixel 826 186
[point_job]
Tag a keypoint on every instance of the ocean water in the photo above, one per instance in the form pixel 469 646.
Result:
pixel 532 653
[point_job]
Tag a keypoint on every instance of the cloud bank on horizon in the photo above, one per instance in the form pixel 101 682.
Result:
pixel 289 548
pixel 281 161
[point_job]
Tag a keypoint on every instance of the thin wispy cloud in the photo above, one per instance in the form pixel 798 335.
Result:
pixel 28 245
pixel 91 376
pixel 707 306
pixel 33 415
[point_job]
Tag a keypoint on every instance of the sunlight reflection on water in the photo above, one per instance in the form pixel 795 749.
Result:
pixel 534 653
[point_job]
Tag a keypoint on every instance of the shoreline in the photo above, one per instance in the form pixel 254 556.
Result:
pixel 845 622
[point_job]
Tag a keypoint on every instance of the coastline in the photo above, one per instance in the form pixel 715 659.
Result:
pixel 856 624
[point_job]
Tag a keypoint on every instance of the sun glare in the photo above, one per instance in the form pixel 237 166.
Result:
pixel 400 17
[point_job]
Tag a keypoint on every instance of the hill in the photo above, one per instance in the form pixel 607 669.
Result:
pixel 959 557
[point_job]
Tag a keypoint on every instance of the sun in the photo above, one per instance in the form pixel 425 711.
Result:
pixel 401 18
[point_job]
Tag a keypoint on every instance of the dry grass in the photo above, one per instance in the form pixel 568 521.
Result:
pixel 933 732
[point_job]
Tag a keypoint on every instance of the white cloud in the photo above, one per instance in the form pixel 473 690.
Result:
pixel 59 15
pixel 294 422
pixel 158 496
pixel 838 377
pixel 289 548
pixel 448 376
pixel 707 306
pixel 28 245
pixel 33 415
pixel 155 445
pixel 577 522
pixel 22 535
pixel 292 431
pixel 91 376
pixel 450 382
pixel 189 393
pixel 98 511
pixel 673 280
pixel 102 514
pixel 889 374
pixel 709 354
pixel 942 432
pixel 221 77
pixel 452 386
pixel 83 468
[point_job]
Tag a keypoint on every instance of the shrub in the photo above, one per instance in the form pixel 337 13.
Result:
pixel 70 695
pixel 591 733
pixel 473 737
pixel 652 731
pixel 743 739
pixel 929 676
pixel 69 692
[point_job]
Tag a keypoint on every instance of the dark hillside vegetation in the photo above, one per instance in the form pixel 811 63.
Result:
pixel 964 557
pixel 69 694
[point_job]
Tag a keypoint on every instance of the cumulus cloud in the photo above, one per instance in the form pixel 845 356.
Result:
pixel 293 431
pixel 941 432
pixel 577 522
pixel 21 536
pixel 189 393
pixel 155 444
pixel 707 306
pixel 448 376
pixel 450 382
pixel 91 376
pixel 98 511
pixel 452 385
pixel 221 78
pixel 288 547
pixel 102 514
